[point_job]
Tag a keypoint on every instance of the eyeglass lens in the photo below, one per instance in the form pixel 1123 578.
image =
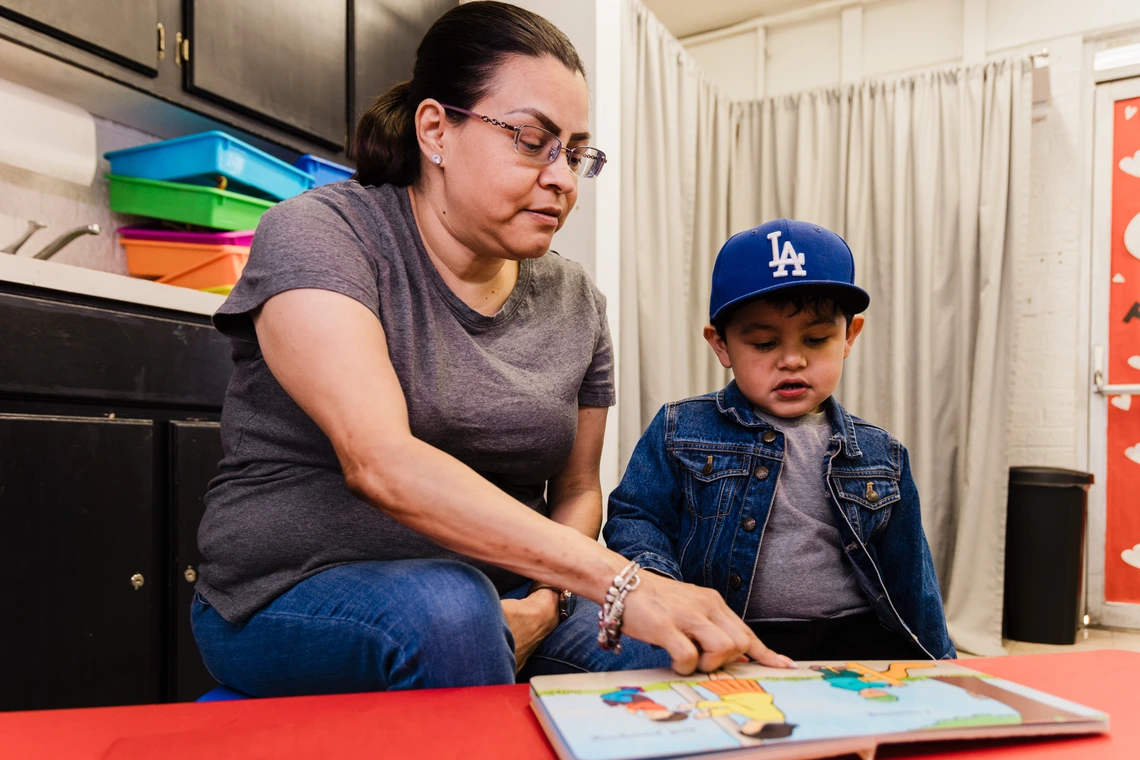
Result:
pixel 538 144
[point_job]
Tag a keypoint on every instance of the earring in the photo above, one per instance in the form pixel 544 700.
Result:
pixel 436 159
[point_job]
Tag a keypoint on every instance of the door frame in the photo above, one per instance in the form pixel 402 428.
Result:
pixel 1101 612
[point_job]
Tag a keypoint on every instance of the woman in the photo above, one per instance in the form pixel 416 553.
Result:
pixel 413 371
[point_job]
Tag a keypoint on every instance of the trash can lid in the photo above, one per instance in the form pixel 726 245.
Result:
pixel 1049 476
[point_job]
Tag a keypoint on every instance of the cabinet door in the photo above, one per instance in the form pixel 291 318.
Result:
pixel 283 61
pixel 386 34
pixel 80 590
pixel 195 450
pixel 123 31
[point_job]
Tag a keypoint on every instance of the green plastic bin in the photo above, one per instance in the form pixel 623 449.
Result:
pixel 191 204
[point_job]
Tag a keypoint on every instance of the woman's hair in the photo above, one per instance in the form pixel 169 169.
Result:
pixel 456 64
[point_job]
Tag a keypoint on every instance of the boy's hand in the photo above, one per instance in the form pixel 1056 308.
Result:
pixel 694 625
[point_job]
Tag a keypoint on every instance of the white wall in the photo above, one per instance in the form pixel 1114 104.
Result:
pixel 803 56
pixel 907 34
pixel 732 62
pixel 897 36
pixel 592 233
pixel 894 36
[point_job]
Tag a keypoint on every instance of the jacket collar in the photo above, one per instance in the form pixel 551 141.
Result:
pixel 732 403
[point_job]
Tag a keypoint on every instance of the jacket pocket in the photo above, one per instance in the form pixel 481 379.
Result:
pixel 712 479
pixel 872 493
pixel 866 501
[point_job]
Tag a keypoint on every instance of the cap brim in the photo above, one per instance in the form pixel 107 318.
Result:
pixel 850 297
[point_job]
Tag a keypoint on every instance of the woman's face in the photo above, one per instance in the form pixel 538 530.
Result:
pixel 496 201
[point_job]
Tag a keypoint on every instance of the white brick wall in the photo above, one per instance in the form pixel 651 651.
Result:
pixel 63 205
pixel 1049 405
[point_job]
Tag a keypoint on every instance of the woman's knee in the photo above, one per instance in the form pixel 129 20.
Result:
pixel 459 604
pixel 455 634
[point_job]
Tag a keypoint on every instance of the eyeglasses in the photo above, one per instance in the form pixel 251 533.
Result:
pixel 543 146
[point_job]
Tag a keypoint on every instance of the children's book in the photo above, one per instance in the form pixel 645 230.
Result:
pixel 822 709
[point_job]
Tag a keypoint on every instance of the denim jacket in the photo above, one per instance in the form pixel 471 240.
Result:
pixel 695 498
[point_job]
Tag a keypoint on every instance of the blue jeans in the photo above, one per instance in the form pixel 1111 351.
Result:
pixel 411 624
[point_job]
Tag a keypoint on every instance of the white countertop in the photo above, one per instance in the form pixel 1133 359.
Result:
pixel 24 270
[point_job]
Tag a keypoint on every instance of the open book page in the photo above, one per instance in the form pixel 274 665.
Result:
pixel 656 713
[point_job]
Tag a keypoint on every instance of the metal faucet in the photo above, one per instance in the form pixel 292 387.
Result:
pixel 54 246
pixel 14 246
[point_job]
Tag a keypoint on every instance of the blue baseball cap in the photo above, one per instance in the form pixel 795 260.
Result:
pixel 782 255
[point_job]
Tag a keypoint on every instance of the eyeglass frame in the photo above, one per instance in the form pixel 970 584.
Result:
pixel 601 156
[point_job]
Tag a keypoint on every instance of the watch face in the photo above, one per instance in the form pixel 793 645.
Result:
pixel 566 602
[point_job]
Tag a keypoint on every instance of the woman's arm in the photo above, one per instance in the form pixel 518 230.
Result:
pixel 575 493
pixel 575 499
pixel 330 354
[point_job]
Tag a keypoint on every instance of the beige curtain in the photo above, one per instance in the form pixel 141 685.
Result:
pixel 926 176
pixel 676 147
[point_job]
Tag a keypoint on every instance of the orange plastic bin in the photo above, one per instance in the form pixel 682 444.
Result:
pixel 222 269
pixel 155 259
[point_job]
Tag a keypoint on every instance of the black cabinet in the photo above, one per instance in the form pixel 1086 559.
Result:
pixel 79 558
pixel 294 73
pixel 195 450
pixel 109 436
pixel 284 61
pixel 386 34
pixel 123 31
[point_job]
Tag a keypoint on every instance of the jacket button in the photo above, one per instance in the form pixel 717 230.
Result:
pixel 761 472
pixel 748 523
pixel 769 437
pixel 734 583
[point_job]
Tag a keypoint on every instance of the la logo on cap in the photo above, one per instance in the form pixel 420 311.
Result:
pixel 781 260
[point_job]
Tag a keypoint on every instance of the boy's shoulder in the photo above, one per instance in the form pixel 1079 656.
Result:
pixel 698 420
pixel 874 441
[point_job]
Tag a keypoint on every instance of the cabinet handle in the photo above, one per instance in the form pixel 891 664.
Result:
pixel 137 581
pixel 190 574
pixel 161 42
pixel 178 48
pixel 186 48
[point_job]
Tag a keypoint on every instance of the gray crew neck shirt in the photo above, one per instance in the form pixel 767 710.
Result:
pixel 802 572
pixel 499 393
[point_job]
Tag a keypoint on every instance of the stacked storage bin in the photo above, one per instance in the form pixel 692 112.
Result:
pixel 209 190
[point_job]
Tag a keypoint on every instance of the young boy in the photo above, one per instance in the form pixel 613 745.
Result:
pixel 804 518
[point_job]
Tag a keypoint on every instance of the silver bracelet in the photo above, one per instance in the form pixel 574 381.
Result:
pixel 609 617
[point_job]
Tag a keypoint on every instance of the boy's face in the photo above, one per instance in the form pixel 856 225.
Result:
pixel 786 365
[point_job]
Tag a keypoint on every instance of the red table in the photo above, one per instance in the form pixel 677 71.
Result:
pixel 496 722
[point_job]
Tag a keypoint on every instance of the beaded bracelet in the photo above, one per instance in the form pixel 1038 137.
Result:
pixel 609 617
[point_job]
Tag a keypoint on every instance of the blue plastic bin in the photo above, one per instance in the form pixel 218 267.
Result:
pixel 323 171
pixel 202 158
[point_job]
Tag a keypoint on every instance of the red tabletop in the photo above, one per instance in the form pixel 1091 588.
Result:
pixel 496 722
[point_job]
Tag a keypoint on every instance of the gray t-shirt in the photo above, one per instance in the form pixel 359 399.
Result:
pixel 500 393
pixel 802 572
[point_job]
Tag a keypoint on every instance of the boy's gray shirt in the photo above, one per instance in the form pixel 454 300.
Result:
pixel 802 572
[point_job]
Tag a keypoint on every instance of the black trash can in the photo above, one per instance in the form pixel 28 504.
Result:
pixel 1044 554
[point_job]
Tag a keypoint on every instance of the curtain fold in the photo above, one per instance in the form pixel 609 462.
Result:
pixel 926 177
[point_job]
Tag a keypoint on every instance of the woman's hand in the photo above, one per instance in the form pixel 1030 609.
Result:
pixel 693 624
pixel 531 620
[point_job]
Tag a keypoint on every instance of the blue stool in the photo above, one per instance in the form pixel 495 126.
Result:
pixel 223 694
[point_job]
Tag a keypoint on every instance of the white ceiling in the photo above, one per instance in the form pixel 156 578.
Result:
pixel 685 17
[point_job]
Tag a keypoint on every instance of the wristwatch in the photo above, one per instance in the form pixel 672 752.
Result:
pixel 564 599
pixel 565 596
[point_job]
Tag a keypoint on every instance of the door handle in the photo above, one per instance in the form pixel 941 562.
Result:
pixel 1099 381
